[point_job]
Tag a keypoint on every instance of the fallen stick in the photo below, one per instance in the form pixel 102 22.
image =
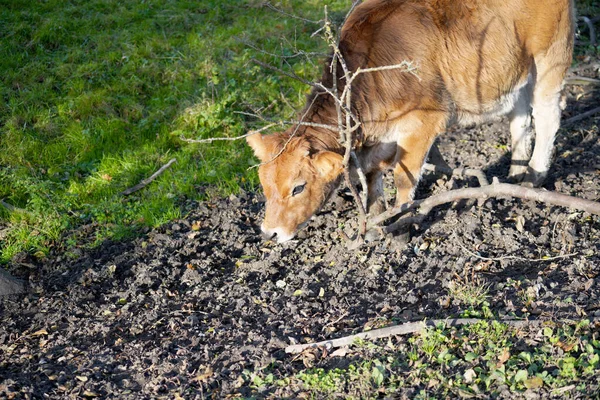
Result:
pixel 12 208
pixel 591 29
pixel 147 181
pixel 581 80
pixel 411 327
pixel 580 117
pixel 496 189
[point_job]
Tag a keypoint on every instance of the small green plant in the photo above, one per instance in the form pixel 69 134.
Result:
pixel 472 293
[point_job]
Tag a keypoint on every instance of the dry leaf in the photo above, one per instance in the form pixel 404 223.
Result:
pixel 203 377
pixel 106 177
pixel 520 220
pixel 469 375
pixel 341 352
pixel 503 358
pixel 39 333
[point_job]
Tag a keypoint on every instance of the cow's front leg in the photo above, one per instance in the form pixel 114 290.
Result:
pixel 412 151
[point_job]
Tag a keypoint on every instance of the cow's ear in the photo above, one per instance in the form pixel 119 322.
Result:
pixel 257 142
pixel 329 164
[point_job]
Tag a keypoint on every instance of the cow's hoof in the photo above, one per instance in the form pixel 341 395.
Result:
pixel 517 173
pixel 534 178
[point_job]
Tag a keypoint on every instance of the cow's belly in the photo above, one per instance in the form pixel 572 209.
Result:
pixel 467 114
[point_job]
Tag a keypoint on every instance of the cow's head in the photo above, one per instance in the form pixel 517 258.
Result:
pixel 296 180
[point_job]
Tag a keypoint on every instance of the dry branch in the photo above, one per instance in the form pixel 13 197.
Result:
pixel 215 139
pixel 413 327
pixel 591 29
pixel 148 180
pixel 12 208
pixel 496 189
pixel 580 117
pixel 581 80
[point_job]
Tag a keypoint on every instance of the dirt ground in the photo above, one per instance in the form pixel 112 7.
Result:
pixel 188 307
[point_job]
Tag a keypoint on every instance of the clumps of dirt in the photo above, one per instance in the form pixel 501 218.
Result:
pixel 191 307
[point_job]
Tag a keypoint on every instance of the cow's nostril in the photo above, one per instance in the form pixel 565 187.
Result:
pixel 268 235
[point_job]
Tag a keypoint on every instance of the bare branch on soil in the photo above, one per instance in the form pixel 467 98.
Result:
pixel 580 117
pixel 148 180
pixel 581 80
pixel 496 189
pixel 413 327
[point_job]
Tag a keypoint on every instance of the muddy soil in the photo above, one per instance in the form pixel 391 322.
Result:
pixel 188 307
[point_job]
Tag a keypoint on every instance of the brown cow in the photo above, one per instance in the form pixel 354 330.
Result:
pixel 476 60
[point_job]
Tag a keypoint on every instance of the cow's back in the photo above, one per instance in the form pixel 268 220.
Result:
pixel 471 55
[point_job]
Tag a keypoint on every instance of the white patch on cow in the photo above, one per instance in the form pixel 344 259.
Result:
pixel 498 108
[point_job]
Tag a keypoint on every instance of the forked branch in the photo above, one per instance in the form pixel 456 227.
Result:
pixel 421 208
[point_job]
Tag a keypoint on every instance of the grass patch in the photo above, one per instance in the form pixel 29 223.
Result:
pixel 96 94
pixel 484 359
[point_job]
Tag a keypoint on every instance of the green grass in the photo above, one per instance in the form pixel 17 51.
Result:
pixel 95 95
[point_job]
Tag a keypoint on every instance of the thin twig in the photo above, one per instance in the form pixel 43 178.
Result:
pixel 362 178
pixel 414 327
pixel 317 85
pixel 148 180
pixel 591 29
pixel 354 4
pixel 210 140
pixel 272 7
pixel 288 122
pixel 289 139
pixel 12 208
pixel 300 53
pixel 580 117
pixel 581 80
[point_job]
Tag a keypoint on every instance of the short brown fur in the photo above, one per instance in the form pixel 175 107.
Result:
pixel 476 60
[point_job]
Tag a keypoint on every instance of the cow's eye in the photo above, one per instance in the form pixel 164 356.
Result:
pixel 298 189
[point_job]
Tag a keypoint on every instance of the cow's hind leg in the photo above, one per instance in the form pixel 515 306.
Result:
pixel 551 68
pixel 521 134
